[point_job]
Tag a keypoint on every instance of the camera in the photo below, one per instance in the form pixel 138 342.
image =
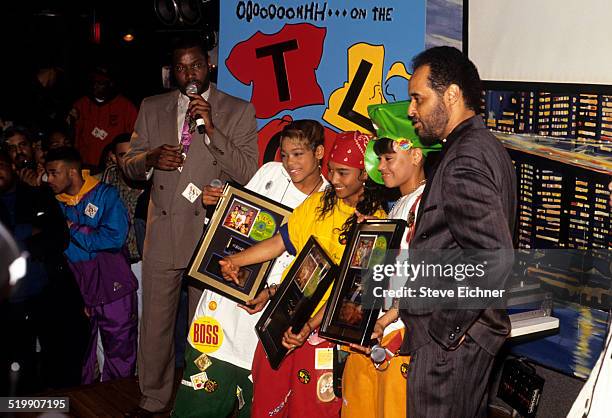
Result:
pixel 21 164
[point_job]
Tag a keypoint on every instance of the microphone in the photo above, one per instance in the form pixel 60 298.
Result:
pixel 210 209
pixel 378 354
pixel 192 88
pixel 216 183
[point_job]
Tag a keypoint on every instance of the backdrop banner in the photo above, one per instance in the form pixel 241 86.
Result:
pixel 317 60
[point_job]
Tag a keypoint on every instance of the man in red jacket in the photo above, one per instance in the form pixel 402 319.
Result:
pixel 101 116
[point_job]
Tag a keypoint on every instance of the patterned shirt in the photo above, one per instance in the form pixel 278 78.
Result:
pixel 129 196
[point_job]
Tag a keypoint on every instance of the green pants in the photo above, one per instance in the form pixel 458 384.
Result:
pixel 220 402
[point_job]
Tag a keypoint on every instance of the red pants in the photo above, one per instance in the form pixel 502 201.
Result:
pixel 296 389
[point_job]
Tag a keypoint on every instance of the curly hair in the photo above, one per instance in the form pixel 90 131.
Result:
pixel 373 199
pixel 448 65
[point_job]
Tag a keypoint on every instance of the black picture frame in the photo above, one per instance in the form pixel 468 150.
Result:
pixel 346 319
pixel 241 219
pixel 311 274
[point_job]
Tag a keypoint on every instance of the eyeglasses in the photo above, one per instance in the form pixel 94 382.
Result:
pixel 180 68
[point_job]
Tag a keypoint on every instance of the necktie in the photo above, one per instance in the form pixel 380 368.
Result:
pixel 187 132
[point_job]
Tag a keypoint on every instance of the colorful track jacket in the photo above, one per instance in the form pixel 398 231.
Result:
pixel 97 254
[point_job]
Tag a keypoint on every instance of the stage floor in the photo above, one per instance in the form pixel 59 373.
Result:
pixel 107 399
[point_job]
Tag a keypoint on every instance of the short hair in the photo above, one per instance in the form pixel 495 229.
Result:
pixel 188 40
pixel 120 139
pixel 448 65
pixel 102 70
pixel 60 127
pixel 17 130
pixel 307 130
pixel 66 154
pixel 57 127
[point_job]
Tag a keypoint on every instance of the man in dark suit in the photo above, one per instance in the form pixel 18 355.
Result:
pixel 469 203
pixel 181 160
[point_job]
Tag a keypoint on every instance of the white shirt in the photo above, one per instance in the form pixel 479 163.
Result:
pixel 400 210
pixel 181 111
pixel 239 338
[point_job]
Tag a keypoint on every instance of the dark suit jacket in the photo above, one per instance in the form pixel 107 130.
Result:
pixel 469 203
pixel 174 225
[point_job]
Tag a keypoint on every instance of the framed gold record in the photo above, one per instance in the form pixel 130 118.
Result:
pixel 241 219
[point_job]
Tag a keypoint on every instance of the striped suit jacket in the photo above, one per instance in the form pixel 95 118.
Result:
pixel 468 203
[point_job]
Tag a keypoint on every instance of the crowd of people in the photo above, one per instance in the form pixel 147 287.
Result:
pixel 73 318
pixel 110 201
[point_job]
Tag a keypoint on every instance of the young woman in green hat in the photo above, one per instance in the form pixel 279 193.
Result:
pixel 397 159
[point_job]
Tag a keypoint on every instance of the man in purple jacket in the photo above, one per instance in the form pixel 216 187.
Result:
pixel 98 224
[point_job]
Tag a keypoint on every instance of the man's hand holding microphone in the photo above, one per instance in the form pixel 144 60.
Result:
pixel 199 109
pixel 212 192
pixel 169 157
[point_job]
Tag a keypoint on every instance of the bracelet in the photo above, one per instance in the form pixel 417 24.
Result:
pixel 273 285
pixel 309 327
pixel 268 289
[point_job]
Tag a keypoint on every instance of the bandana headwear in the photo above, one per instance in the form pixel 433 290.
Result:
pixel 349 148
pixel 391 121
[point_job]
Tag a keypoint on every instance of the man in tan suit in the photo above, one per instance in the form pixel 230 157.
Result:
pixel 182 160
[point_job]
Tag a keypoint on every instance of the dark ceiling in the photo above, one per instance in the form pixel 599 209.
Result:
pixel 60 32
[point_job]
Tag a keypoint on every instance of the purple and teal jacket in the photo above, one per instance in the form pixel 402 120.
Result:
pixel 98 232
